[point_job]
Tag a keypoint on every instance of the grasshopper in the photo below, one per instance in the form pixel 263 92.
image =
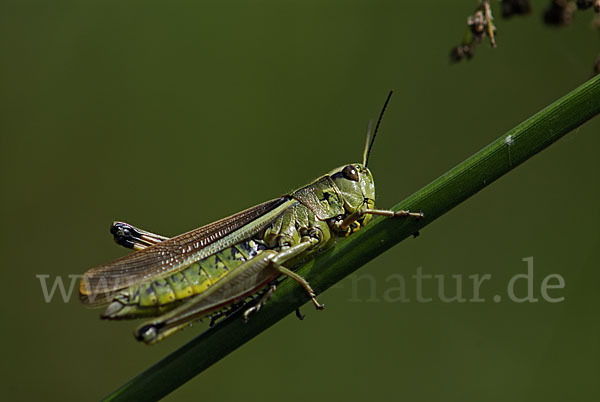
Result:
pixel 211 270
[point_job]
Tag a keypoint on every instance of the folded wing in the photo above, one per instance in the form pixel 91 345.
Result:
pixel 100 283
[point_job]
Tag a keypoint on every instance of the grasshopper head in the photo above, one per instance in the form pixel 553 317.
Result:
pixel 356 185
pixel 355 181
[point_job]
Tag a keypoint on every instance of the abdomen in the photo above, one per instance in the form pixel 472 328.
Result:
pixel 163 294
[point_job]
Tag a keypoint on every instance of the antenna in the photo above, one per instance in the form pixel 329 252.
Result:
pixel 371 140
pixel 365 155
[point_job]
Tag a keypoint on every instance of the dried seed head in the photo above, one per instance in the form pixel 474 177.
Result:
pixel 460 52
pixel 584 4
pixel 559 12
pixel 479 26
pixel 515 7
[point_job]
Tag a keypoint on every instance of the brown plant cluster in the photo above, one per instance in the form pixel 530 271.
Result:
pixel 480 24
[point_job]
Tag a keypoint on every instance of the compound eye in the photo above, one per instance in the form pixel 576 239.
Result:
pixel 350 173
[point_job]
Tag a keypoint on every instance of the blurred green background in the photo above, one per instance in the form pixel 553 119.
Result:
pixel 169 115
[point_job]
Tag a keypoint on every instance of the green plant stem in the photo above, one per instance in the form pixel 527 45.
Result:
pixel 435 199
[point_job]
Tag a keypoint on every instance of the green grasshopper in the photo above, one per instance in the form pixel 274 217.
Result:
pixel 208 271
